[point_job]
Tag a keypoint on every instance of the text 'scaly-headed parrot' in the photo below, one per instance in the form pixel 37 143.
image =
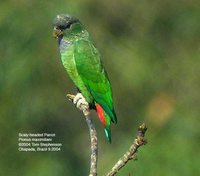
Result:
pixel 82 62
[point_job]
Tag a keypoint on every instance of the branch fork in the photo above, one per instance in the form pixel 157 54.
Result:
pixel 129 155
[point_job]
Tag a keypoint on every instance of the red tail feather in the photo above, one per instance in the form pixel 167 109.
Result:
pixel 100 113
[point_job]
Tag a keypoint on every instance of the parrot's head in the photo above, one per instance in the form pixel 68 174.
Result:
pixel 66 25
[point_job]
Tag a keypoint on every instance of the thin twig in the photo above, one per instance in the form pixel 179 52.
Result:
pixel 131 153
pixel 93 136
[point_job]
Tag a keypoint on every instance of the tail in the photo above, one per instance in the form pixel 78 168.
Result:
pixel 105 120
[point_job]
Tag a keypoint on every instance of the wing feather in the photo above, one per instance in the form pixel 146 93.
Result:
pixel 94 76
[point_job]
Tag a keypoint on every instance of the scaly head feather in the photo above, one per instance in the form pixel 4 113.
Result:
pixel 66 26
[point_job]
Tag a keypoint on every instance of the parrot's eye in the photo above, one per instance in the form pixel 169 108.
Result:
pixel 68 25
pixel 63 27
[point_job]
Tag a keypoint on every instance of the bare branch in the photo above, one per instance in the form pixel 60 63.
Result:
pixel 93 136
pixel 131 153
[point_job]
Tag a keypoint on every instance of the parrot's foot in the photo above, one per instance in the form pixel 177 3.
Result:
pixel 80 102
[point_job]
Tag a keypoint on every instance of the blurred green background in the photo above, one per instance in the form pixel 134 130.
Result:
pixel 151 50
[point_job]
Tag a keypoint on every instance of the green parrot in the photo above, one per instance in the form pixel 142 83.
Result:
pixel 82 62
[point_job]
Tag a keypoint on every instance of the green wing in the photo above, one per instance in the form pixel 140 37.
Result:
pixel 93 75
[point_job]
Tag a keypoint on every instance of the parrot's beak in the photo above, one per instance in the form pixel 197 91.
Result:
pixel 57 32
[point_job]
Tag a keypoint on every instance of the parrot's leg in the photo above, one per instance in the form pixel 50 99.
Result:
pixel 80 101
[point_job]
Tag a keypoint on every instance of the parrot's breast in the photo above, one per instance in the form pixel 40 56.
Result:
pixel 68 60
pixel 64 46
